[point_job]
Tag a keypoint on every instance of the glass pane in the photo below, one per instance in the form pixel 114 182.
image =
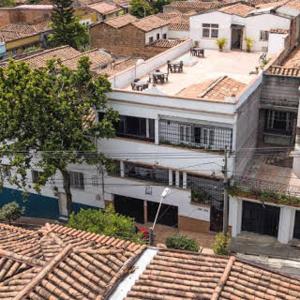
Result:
pixel 215 25
pixel 214 33
pixel 205 32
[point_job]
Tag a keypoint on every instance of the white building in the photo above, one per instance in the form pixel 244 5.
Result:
pixel 239 21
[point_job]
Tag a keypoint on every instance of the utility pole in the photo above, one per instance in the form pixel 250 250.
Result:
pixel 226 197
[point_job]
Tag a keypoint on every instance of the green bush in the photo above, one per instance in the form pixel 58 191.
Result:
pixel 106 222
pixel 182 242
pixel 221 244
pixel 221 42
pixel 10 212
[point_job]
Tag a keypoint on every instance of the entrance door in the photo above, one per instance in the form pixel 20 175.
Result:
pixel 236 38
pixel 168 214
pixel 130 207
pixel 262 219
pixel 297 225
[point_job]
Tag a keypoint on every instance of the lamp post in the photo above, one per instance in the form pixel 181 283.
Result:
pixel 164 194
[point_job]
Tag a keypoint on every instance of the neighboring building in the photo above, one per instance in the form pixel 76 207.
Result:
pixel 17 37
pixel 106 11
pixel 126 35
pixel 239 21
pixel 57 262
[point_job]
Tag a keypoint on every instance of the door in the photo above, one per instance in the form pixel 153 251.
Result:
pixel 236 38
pixel 130 207
pixel 297 226
pixel 259 218
pixel 168 214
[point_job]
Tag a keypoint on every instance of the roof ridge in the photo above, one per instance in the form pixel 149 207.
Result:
pixel 44 272
pixel 212 85
pixel 34 262
pixel 218 289
pixel 16 228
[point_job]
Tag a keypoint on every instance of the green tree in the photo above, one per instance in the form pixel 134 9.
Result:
pixel 66 27
pixel 140 8
pixel 10 212
pixel 106 222
pixel 159 4
pixel 48 114
pixel 182 242
pixel 5 3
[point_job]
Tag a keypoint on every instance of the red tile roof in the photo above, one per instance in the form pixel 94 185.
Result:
pixel 198 6
pixel 238 9
pixel 166 43
pixel 150 23
pixel 175 275
pixel 121 21
pixel 104 8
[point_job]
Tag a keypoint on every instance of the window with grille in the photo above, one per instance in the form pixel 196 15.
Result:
pixel 279 122
pixel 195 135
pixel 264 35
pixel 210 31
pixel 77 180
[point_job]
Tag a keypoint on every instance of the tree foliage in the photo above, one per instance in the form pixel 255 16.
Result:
pixel 46 119
pixel 140 8
pixel 10 212
pixel 182 242
pixel 66 27
pixel 221 244
pixel 106 222
pixel 159 4
pixel 7 3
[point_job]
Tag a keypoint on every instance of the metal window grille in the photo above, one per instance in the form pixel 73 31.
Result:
pixel 205 190
pixel 210 30
pixel 77 180
pixel 194 135
pixel 148 173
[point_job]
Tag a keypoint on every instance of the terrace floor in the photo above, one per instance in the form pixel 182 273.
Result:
pixel 235 64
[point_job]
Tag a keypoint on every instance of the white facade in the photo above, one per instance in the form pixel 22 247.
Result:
pixel 251 27
pixel 156 34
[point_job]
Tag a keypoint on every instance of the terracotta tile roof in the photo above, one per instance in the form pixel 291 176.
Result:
pixel 198 6
pixel 175 275
pixel 150 23
pixel 82 265
pixel 121 21
pixel 293 4
pixel 184 26
pixel 166 43
pixel 217 90
pixel 104 8
pixel 69 57
pixel 238 9
pixel 18 30
pixel 177 21
pixel 293 60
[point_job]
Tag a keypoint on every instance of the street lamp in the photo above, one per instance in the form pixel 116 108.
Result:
pixel 164 194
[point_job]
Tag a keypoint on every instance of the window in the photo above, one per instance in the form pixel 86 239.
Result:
pixel 77 180
pixel 210 31
pixel 134 127
pixel 279 122
pixel 164 36
pixel 158 36
pixel 264 35
pixel 185 133
pixel 35 176
pixel 150 39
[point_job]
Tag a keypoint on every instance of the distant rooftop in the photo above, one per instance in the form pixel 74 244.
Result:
pixel 219 76
pixel 104 8
pixel 238 9
pixel 121 21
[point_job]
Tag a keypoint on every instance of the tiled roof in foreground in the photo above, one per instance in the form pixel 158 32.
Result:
pixel 60 263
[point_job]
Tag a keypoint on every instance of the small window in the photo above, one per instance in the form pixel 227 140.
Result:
pixel 210 30
pixel 158 36
pixel 164 36
pixel 35 176
pixel 264 35
pixel 150 39
pixel 77 180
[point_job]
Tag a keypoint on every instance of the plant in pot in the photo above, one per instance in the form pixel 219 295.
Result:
pixel 249 44
pixel 221 42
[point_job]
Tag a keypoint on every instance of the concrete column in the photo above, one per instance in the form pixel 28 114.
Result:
pixel 156 128
pixel 296 153
pixel 145 212
pixel 235 215
pixel 170 177
pixel 286 224
pixel 122 170
pixel 184 180
pixel 147 128
pixel 177 178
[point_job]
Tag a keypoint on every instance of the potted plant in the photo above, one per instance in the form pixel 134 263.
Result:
pixel 221 42
pixel 249 44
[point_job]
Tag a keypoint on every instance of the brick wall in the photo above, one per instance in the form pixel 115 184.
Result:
pixel 125 41
pixel 190 224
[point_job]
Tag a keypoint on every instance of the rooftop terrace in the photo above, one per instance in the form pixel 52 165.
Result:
pixel 205 77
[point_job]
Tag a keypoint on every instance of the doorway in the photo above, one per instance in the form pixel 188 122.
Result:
pixel 236 37
pixel 259 218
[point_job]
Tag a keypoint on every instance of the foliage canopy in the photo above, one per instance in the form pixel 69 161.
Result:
pixel 140 8
pixel 182 242
pixel 10 212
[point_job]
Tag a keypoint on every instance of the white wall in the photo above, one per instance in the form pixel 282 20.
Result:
pixel 153 33
pixel 175 34
pixel 253 26
pixel 276 43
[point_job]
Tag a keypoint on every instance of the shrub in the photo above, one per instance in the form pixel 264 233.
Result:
pixel 10 212
pixel 221 42
pixel 249 44
pixel 221 244
pixel 106 222
pixel 182 242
